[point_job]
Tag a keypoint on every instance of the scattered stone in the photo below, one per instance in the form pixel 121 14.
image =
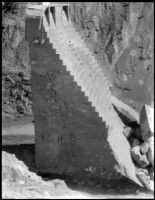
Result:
pixel 16 95
pixel 141 159
pixel 26 78
pixel 128 131
pixel 135 142
pixel 144 148
pixel 145 181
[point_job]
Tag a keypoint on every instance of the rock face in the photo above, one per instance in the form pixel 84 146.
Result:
pixel 121 36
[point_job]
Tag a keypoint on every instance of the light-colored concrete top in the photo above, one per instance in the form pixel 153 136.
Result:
pixel 37 10
pixel 43 6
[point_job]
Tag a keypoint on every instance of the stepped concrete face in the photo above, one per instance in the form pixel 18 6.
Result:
pixel 76 127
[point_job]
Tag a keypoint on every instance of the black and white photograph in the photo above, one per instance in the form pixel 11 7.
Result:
pixel 77 100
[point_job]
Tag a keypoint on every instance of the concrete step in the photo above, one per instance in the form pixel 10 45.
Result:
pixel 104 94
pixel 99 94
pixel 70 36
pixel 83 67
pixel 91 73
pixel 69 29
pixel 95 85
pixel 88 82
pixel 86 56
pixel 71 56
pixel 64 44
pixel 105 102
pixel 45 24
pixel 70 33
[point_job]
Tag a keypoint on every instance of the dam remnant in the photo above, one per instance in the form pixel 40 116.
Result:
pixel 76 127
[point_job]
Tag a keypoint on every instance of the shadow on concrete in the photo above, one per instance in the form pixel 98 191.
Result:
pixel 128 121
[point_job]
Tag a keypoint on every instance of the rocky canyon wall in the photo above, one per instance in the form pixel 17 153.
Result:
pixel 121 36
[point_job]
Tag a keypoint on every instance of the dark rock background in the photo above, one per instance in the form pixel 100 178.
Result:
pixel 120 35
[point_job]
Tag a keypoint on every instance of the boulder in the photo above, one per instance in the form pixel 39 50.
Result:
pixel 128 131
pixel 144 147
pixel 141 159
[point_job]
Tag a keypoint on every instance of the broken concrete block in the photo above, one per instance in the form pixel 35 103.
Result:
pixel 69 140
pixel 147 122
pixel 144 148
pixel 141 159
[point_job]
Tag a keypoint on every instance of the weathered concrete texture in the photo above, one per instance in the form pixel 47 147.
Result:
pixel 69 134
pixel 70 137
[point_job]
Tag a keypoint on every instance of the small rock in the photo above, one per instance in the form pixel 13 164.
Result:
pixel 135 142
pixel 144 148
pixel 141 159
pixel 26 78
pixel 146 183
pixel 128 131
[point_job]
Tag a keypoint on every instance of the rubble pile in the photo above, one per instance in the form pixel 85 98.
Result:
pixel 16 93
pixel 141 139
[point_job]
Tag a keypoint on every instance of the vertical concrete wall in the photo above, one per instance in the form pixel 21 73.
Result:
pixel 58 15
pixel 69 135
